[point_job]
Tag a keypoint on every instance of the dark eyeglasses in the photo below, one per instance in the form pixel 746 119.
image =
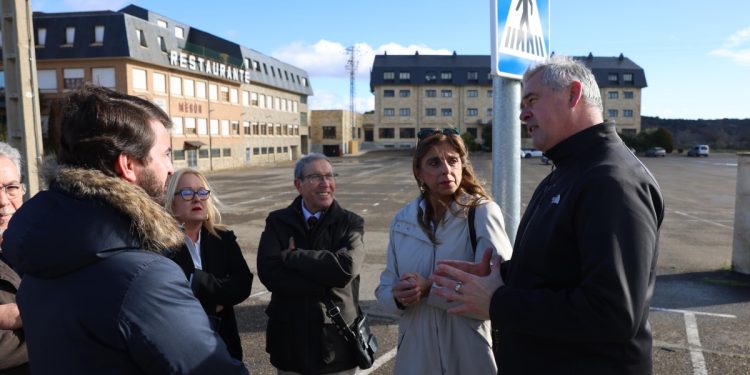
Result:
pixel 426 132
pixel 188 194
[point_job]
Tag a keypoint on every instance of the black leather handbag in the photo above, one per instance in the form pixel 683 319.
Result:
pixel 362 340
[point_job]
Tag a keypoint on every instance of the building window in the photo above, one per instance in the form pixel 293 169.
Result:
pixel 226 152
pixel 213 92
pixel 256 129
pixel 203 153
pixel 404 76
pixel 430 112
pixel 472 93
pixel 215 152
pixel 224 127
pixel 175 85
pixel 70 35
pixel 430 76
pixel 627 113
pixel 406 133
pixel 235 128
pixel 189 87
pixel 404 93
pixel 472 76
pixel 386 133
pixel 234 96
pixel 41 36
pixel 389 76
pixel 177 125
pixel 256 65
pixel 162 43
pixel 246 127
pixel 472 112
pixel 613 94
pixel 389 112
pixel 179 32
pixel 202 130
pixel 627 77
pixel 446 93
pixel 446 112
pixel 47 80
pixel 256 151
pixel 612 77
pixel 190 125
pixel 161 23
pixel 178 154
pixel 446 76
pixel 253 98
pixel 139 79
pixel 489 112
pixel 104 77
pixel 430 93
pixel 200 89
pixel 99 34
pixel 213 127
pixel 73 78
pixel 329 132
pixel 612 113
pixel 489 93
pixel 141 37
pixel 627 95
pixel 404 112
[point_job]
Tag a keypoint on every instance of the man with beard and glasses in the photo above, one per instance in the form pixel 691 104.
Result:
pixel 13 357
pixel 97 294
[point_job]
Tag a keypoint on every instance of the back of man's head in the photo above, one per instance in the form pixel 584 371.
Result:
pixel 94 125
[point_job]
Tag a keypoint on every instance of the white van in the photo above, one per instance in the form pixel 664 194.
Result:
pixel 698 150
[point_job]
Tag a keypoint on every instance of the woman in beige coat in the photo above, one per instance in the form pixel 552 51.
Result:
pixel 433 227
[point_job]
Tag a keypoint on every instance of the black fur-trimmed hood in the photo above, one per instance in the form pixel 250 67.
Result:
pixel 84 216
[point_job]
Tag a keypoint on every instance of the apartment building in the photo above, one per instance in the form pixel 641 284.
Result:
pixel 620 81
pixel 335 132
pixel 427 91
pixel 231 106
pixel 422 91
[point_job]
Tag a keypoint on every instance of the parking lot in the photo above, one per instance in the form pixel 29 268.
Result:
pixel 700 310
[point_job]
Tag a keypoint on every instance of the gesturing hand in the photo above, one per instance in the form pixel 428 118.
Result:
pixel 480 269
pixel 411 288
pixel 474 292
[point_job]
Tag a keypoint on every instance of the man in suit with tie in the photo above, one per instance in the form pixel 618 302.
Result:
pixel 309 252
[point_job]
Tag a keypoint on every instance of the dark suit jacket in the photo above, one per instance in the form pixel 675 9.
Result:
pixel 224 280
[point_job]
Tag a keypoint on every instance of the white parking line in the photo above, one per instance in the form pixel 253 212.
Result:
pixel 694 342
pixel 693 338
pixel 703 220
pixel 383 359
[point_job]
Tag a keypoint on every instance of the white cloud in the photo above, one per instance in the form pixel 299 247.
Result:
pixel 326 99
pixel 329 59
pixel 736 48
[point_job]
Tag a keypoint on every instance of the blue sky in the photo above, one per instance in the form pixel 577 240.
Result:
pixel 696 53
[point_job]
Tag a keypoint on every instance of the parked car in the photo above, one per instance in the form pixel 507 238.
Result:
pixel 530 153
pixel 698 150
pixel 656 152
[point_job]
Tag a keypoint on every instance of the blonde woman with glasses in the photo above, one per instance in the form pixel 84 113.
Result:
pixel 210 257
pixel 436 226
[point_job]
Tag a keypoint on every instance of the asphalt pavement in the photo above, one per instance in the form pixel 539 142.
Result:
pixel 700 311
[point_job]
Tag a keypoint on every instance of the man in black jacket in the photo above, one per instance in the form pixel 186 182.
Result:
pixel 575 297
pixel 309 252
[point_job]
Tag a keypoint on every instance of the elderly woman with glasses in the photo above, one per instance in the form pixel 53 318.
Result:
pixel 451 218
pixel 211 258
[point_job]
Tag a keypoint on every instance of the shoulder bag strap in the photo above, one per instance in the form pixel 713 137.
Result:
pixel 334 312
pixel 472 229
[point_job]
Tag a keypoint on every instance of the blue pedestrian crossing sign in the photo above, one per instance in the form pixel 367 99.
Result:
pixel 520 35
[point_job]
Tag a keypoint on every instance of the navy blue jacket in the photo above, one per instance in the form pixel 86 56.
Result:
pixel 93 301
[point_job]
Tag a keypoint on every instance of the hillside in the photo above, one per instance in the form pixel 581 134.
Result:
pixel 733 134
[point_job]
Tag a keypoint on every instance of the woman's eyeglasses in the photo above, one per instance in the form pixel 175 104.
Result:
pixel 424 133
pixel 188 194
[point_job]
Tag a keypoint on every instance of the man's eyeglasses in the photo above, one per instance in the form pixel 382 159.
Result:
pixel 13 190
pixel 318 178
pixel 426 132
pixel 188 194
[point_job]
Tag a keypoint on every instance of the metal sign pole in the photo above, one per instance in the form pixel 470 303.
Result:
pixel 506 143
